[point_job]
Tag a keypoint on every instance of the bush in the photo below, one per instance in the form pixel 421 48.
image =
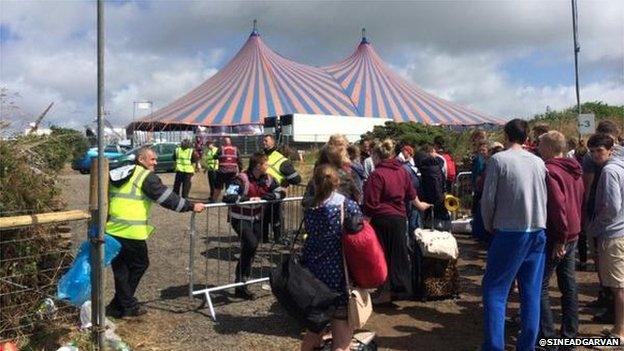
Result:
pixel 33 258
pixel 61 146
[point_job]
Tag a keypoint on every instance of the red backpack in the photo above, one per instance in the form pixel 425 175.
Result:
pixel 451 170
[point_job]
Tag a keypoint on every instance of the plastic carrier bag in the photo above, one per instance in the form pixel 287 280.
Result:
pixel 75 285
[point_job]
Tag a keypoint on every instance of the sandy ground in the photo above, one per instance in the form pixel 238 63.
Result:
pixel 175 322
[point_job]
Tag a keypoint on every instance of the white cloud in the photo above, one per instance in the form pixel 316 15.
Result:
pixel 160 50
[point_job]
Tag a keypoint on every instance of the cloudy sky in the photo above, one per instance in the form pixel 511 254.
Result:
pixel 505 58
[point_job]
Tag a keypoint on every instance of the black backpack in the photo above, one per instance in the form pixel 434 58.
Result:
pixel 432 180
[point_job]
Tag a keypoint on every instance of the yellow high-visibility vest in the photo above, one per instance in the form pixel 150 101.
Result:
pixel 275 160
pixel 183 160
pixel 129 208
pixel 209 160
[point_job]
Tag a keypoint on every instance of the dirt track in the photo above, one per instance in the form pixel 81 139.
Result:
pixel 175 322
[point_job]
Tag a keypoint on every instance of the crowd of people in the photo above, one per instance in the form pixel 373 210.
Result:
pixel 538 200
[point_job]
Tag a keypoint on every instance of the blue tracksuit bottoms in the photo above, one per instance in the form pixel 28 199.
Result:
pixel 513 255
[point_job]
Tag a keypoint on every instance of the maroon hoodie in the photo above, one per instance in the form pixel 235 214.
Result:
pixel 565 198
pixel 387 189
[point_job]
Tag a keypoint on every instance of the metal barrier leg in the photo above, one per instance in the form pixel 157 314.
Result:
pixel 210 306
pixel 191 261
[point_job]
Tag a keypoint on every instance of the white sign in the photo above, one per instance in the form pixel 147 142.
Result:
pixel 144 105
pixel 587 123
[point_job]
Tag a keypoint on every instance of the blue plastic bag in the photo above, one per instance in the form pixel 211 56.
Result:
pixel 75 285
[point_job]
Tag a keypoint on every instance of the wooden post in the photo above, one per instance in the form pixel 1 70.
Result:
pixel 97 275
pixel 93 186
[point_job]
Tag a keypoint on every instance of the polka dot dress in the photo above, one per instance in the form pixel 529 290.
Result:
pixel 322 251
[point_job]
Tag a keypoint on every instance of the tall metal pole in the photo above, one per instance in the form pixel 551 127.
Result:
pixel 577 48
pixel 98 258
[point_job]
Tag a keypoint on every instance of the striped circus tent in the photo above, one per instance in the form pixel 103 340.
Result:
pixel 377 91
pixel 256 83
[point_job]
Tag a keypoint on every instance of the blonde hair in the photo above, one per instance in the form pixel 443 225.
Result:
pixel 334 155
pixel 338 140
pixel 326 180
pixel 553 141
pixel 385 149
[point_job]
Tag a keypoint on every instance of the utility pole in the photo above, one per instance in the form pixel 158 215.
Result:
pixel 97 238
pixel 577 49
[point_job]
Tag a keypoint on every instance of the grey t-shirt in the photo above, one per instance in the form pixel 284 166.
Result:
pixel 514 192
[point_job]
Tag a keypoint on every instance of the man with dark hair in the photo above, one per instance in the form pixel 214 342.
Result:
pixel 132 191
pixel 608 224
pixel 513 206
pixel 591 173
pixel 254 184
pixel 285 174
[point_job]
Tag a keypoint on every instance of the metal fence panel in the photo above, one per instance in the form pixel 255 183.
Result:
pixel 32 260
pixel 218 247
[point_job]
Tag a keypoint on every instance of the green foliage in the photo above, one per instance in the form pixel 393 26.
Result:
pixel 416 134
pixel 565 120
pixel 55 150
pixel 458 142
pixel 33 257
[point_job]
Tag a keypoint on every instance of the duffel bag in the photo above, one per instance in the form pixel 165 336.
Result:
pixel 302 295
pixel 365 257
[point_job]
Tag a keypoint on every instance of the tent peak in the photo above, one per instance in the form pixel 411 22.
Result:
pixel 364 40
pixel 254 31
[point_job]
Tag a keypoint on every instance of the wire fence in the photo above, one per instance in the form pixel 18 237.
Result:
pixel 32 260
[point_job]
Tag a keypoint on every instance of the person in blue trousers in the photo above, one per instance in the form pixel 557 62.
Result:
pixel 513 206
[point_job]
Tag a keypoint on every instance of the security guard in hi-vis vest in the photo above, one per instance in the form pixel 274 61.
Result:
pixel 184 158
pixel 283 171
pixel 132 191
pixel 210 165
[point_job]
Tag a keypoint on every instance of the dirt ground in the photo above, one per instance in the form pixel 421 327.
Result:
pixel 175 322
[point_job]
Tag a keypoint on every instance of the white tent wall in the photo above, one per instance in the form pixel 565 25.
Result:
pixel 318 128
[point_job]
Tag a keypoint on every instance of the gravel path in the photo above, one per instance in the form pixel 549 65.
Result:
pixel 175 322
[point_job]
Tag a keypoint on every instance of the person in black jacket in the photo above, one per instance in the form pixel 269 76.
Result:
pixel 254 184
pixel 284 172
pixel 132 261
pixel 433 186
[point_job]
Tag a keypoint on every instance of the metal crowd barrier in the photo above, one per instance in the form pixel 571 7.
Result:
pixel 462 189
pixel 222 248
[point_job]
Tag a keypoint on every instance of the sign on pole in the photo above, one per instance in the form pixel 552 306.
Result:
pixel 146 105
pixel 587 123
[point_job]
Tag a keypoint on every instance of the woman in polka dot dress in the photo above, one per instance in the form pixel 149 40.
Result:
pixel 322 251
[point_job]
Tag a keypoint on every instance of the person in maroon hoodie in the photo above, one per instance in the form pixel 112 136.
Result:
pixel 565 199
pixel 386 191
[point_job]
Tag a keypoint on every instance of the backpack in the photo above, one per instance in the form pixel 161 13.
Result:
pixel 432 180
pixel 451 170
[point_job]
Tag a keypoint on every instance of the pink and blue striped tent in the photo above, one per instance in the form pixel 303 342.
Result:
pixel 377 91
pixel 256 83
pixel 259 83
